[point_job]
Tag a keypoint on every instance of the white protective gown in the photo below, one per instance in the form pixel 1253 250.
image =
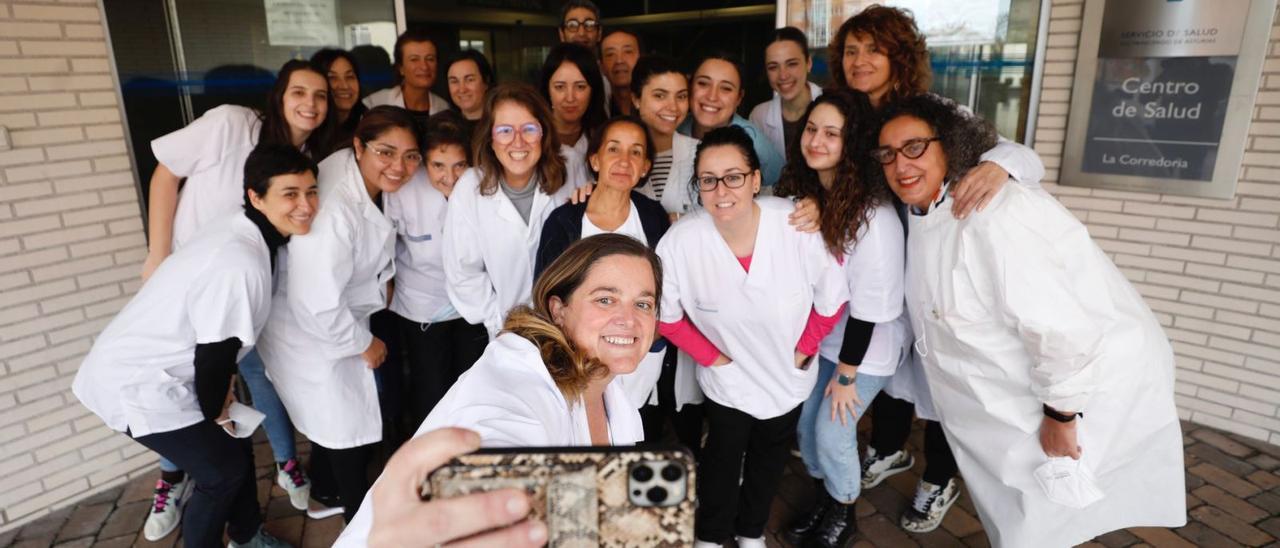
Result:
pixel 394 96
pixel 417 211
pixel 755 318
pixel 489 249
pixel 509 398
pixel 140 375
pixel 1013 307
pixel 678 196
pixel 210 153
pixel 768 117
pixel 334 279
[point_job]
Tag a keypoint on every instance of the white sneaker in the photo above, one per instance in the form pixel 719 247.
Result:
pixel 166 508
pixel 744 542
pixel 929 506
pixel 876 468
pixel 705 544
pixel 293 480
pixel 318 510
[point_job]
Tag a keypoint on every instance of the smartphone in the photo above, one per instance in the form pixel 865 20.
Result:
pixel 587 496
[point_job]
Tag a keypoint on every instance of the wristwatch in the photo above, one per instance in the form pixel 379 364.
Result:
pixel 1055 415
pixel 843 379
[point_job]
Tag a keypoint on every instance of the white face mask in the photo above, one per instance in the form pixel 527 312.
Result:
pixel 1069 482
pixel 243 419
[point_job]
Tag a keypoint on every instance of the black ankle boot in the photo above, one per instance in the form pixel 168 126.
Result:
pixel 801 527
pixel 837 529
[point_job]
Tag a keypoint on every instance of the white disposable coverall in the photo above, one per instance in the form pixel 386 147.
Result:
pixel 1013 307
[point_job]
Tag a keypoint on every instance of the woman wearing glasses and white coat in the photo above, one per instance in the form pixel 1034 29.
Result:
pixel 317 345
pixel 497 208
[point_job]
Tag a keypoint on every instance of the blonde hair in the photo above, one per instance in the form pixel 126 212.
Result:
pixel 570 367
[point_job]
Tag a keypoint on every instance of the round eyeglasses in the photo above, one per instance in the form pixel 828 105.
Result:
pixel 505 134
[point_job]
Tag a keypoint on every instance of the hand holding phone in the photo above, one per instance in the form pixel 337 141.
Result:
pixel 401 518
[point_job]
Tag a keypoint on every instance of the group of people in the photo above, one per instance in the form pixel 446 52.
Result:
pixel 597 260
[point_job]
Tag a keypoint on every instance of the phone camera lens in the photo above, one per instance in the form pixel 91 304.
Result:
pixel 672 472
pixel 657 495
pixel 642 473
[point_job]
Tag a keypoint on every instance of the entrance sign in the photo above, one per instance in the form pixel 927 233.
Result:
pixel 301 22
pixel 1164 93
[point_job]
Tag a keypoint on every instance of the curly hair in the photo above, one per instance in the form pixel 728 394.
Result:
pixel 570 367
pixel 551 169
pixel 894 31
pixel 963 136
pixel 845 207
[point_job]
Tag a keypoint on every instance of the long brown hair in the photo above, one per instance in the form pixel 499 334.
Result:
pixel 895 32
pixel 550 168
pixel 844 209
pixel 570 367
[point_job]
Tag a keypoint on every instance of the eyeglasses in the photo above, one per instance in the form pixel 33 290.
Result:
pixel 573 25
pixel 387 154
pixel 505 134
pixel 912 149
pixel 730 180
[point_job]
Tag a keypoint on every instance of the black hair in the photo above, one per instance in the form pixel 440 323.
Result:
pixel 597 140
pixel 649 66
pixel 628 32
pixel 482 65
pixel 408 36
pixel 790 34
pixel 961 135
pixel 725 56
pixel 382 118
pixel 573 4
pixel 585 61
pixel 729 135
pixel 446 128
pixel 272 160
pixel 324 59
pixel 275 129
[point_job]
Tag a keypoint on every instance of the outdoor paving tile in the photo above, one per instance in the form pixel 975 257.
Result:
pixel 321 533
pixel 1264 479
pixel 125 519
pixel 1231 526
pixel 1193 501
pixel 1117 539
pixel 939 537
pixel 288 529
pixel 34 542
pixel 1231 504
pixel 45 526
pixel 1162 537
pixel 85 521
pixel 1222 460
pixel 1222 442
pixel 1224 479
pixel 884 533
pixel 85 542
pixel 978 540
pixel 118 542
pixel 1267 501
pixel 1201 535
pixel 1264 462
pixel 7 537
pixel 1271 526
pixel 168 541
pixel 960 523
pixel 140 488
pixel 110 495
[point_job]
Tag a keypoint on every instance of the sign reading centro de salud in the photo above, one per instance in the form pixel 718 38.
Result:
pixel 1163 94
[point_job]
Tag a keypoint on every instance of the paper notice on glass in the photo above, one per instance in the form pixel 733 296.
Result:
pixel 301 22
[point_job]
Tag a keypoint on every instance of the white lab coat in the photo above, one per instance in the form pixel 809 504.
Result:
pixel 509 398
pixel 678 196
pixel 210 153
pixel 489 249
pixel 874 269
pixel 395 96
pixel 417 211
pixel 139 375
pixel 576 171
pixel 334 279
pixel 1015 306
pixel 755 318
pixel 768 117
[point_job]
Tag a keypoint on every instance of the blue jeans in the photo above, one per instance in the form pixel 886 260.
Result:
pixel 277 425
pixel 830 449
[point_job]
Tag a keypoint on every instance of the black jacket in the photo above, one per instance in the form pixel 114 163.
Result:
pixel 564 227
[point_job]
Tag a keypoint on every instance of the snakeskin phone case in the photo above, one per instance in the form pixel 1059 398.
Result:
pixel 587 496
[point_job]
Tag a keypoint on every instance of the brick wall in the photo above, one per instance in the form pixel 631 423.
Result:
pixel 71 248
pixel 1209 268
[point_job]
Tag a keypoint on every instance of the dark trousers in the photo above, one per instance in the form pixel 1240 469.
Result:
pixel 738 442
pixel 347 469
pixel 225 491
pixel 438 354
pixel 385 325
pixel 891 424
pixel 687 422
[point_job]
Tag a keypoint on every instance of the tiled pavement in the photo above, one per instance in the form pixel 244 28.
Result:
pixel 1233 498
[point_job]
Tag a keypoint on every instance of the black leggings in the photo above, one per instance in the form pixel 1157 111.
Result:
pixel 687 422
pixel 348 469
pixel 438 354
pixel 890 426
pixel 225 494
